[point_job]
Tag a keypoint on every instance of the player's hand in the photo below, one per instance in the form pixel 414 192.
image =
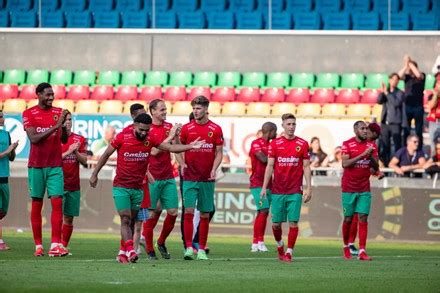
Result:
pixel 150 178
pixel 380 175
pixel 11 148
pixel 212 175
pixel 62 119
pixel 307 195
pixel 14 145
pixel 368 152
pixel 263 194
pixel 182 169
pixel 197 143
pixel 399 171
pixel 73 147
pixel 93 180
pixel 174 130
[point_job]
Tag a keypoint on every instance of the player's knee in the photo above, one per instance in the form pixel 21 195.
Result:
pixel 68 220
pixel 189 210
pixel 204 215
pixel 276 226
pixel 348 219
pixel 125 220
pixel 293 224
pixel 172 212
pixel 363 218
pixel 264 211
pixel 2 214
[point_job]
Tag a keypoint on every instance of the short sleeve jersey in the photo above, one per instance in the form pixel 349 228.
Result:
pixel 356 178
pixel 405 159
pixel 289 155
pixel 132 160
pixel 258 167
pixel 199 162
pixel 47 152
pixel 160 165
pixel 71 163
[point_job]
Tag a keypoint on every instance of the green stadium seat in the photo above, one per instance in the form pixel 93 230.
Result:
pixel 278 79
pixel 14 76
pixel 401 85
pixel 37 76
pixel 84 77
pixel 302 80
pixel 429 82
pixel 132 78
pixel 109 77
pixel 156 78
pixel 61 77
pixel 374 80
pixel 352 80
pixel 254 79
pixel 327 80
pixel 229 79
pixel 205 78
pixel 1 76
pixel 180 78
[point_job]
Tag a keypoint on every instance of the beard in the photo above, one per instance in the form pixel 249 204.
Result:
pixel 140 136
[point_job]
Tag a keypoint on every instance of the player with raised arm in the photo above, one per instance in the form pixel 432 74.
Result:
pixel 258 156
pixel 289 162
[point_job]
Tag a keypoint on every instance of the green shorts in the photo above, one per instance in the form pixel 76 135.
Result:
pixel 200 193
pixel 49 178
pixel 286 207
pixel 4 197
pixel 127 198
pixel 356 202
pixel 265 204
pixel 71 203
pixel 164 191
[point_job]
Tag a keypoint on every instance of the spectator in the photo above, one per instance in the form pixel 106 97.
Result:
pixel 393 118
pixel 432 166
pixel 414 87
pixel 318 158
pixel 408 158
pixel 436 67
pixel 434 114
pixel 335 161
pixel 98 146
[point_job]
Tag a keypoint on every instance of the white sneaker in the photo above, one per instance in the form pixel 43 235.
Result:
pixel 139 250
pixel 262 247
pixel 254 247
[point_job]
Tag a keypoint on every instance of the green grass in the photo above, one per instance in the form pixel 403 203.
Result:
pixel 318 266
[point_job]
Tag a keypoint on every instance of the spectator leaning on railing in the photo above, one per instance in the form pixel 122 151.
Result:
pixel 433 107
pixel 408 158
pixel 432 166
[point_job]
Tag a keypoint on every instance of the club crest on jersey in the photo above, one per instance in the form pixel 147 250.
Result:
pixel 210 134
pixel 147 143
pixel 298 148
pixel 55 117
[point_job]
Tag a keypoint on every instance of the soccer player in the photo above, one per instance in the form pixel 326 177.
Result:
pixel 133 150
pixel 289 161
pixel 258 155
pixel 44 126
pixel 358 156
pixel 199 173
pixel 7 153
pixel 74 152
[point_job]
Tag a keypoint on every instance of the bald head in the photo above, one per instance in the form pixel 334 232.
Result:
pixel 269 130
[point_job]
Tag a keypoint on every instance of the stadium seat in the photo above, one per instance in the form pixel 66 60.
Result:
pixel 78 92
pixel 258 109
pixel 28 92
pixel 199 91
pixel 149 93
pixel 53 19
pixel 132 77
pixel 175 93
pixel 8 91
pixel 79 19
pixel 48 5
pixel 279 109
pixel 325 6
pixel 307 21
pixel 429 81
pixel 192 20
pixel 224 94
pixel 86 107
pixel 401 85
pixel 84 77
pixel 182 108
pixel 31 103
pixel 110 107
pixel 229 79
pixel 425 21
pixel 156 78
pixel 277 5
pixel 382 5
pixel 135 19
pixel 126 93
pixel 248 95
pixel 215 108
pixel 127 105
pixel 59 91
pixel 273 95
pixel 37 76
pixel 162 5
pixel 61 76
pixel 206 78
pixel 352 80
pixel 254 79
pixel 249 20
pixel 234 109
pixel 14 106
pixel 278 79
pixel 185 5
pixel 109 77
pixel 367 21
pixel 128 5
pixel 308 110
pixel 102 92
pixel 302 80
pixel 298 96
pixel 280 21
pixel 19 5
pixel 65 104
pixel 242 5
pixel 374 80
pixel 370 96
pixel 165 20
pixel 180 78
pixel 357 5
pixel 299 5
pixel 4 18
pixel 14 76
pixel 337 21
pixel 107 19
pixel 348 96
pixel 101 5
pixel 418 6
pixel 213 5
pixel 333 110
pixel 221 20
pixel 399 21
pixel 323 96
pixel 73 5
pixel 376 112
pixel 361 111
pixel 327 80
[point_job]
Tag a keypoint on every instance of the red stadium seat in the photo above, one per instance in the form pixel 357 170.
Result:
pixel 149 93
pixel 126 93
pixel 298 96
pixel 426 95
pixel 273 95
pixel 249 95
pixel 323 96
pixel 224 94
pixel 102 93
pixel 59 91
pixel 8 91
pixel 28 92
pixel 370 96
pixel 78 92
pixel 175 93
pixel 348 96
pixel 199 91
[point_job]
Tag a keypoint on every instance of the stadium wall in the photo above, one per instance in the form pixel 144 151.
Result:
pixel 216 50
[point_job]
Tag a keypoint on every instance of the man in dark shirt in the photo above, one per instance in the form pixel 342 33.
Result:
pixel 393 118
pixel 408 158
pixel 414 87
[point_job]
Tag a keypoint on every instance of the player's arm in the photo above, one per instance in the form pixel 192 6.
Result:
pixel 374 163
pixel 217 161
pixel 179 148
pixel 81 157
pixel 72 148
pixel 101 162
pixel 10 151
pixel 267 176
pixel 308 176
pixel 35 137
pixel 349 162
pixel 261 157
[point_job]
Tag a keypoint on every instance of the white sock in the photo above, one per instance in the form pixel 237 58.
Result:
pixel 38 246
pixel 361 250
pixel 1 241
pixel 280 243
pixel 201 250
pixel 350 244
pixel 53 245
pixel 260 242
pixel 345 245
pixel 289 251
pixel 121 252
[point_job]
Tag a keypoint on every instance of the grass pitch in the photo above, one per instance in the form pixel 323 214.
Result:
pixel 317 266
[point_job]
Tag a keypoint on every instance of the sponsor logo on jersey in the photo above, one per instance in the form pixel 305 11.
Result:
pixel 138 156
pixel 42 129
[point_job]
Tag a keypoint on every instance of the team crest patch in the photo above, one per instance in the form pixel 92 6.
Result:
pixel 298 148
pixel 210 134
pixel 55 117
pixel 147 143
